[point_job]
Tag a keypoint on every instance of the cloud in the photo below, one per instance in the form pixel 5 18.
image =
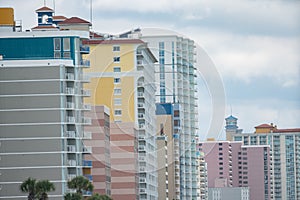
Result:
pixel 247 57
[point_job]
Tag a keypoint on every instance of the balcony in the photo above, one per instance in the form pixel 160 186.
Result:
pixel 87 163
pixel 142 191
pixel 71 176
pixel 86 106
pixel 70 119
pixel 70 91
pixel 142 180
pixel 141 115
pixel 85 63
pixel 140 84
pixel 84 49
pixel 142 126
pixel 142 169
pixel 72 163
pixel 71 148
pixel 87 135
pixel 69 76
pixel 70 134
pixel 142 148
pixel 86 93
pixel 141 105
pixel 140 94
pixel 70 105
pixel 87 193
pixel 86 120
pixel 87 150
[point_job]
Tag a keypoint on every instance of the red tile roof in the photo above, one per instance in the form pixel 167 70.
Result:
pixel 75 20
pixel 59 18
pixel 264 126
pixel 95 35
pixel 126 41
pixel 44 27
pixel 46 9
pixel 288 130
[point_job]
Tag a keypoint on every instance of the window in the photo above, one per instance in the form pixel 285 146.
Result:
pixel 56 54
pixel 117 69
pixel 117 80
pixel 67 55
pixel 117 91
pixel 56 44
pixel 118 112
pixel 176 113
pixel 117 59
pixel 116 48
pixel 117 101
pixel 66 42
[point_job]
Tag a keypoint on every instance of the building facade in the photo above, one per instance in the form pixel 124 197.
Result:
pixel 41 109
pixel 230 164
pixel 175 76
pixel 168 123
pixel 97 167
pixel 285 163
pixel 122 78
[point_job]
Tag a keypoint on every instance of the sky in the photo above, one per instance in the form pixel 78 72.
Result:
pixel 252 47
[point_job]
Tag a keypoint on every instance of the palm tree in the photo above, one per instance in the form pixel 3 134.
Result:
pixel 29 186
pixel 43 187
pixel 80 184
pixel 73 196
pixel 99 197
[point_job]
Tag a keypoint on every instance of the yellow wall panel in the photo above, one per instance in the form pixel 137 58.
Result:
pixel 7 17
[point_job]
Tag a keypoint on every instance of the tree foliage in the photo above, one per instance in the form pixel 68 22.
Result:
pixel 99 197
pixel 80 184
pixel 37 189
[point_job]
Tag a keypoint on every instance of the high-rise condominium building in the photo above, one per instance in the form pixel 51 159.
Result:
pixel 285 152
pixel 175 77
pixel 122 78
pixel 230 164
pixel 41 107
pixel 167 120
pixel 97 137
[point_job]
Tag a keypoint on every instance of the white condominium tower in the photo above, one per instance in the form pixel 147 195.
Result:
pixel 175 77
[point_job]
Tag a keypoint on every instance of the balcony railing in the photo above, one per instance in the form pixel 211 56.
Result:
pixel 87 163
pixel 70 134
pixel 87 150
pixel 86 92
pixel 87 135
pixel 70 105
pixel 84 49
pixel 70 76
pixel 85 63
pixel 71 162
pixel 71 148
pixel 70 90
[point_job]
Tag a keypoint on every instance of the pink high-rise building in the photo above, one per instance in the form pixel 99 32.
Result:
pixel 230 164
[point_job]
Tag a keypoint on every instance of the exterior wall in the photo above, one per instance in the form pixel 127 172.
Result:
pixel 97 136
pixel 285 163
pixel 229 164
pixel 7 17
pixel 162 167
pixel 229 193
pixel 132 107
pixel 175 77
pixel 124 166
pixel 38 122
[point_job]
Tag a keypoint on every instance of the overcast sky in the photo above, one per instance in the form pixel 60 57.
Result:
pixel 254 45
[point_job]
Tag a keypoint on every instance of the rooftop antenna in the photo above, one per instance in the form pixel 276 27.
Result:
pixel 91 12
pixel 230 110
pixel 44 2
pixel 54 6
